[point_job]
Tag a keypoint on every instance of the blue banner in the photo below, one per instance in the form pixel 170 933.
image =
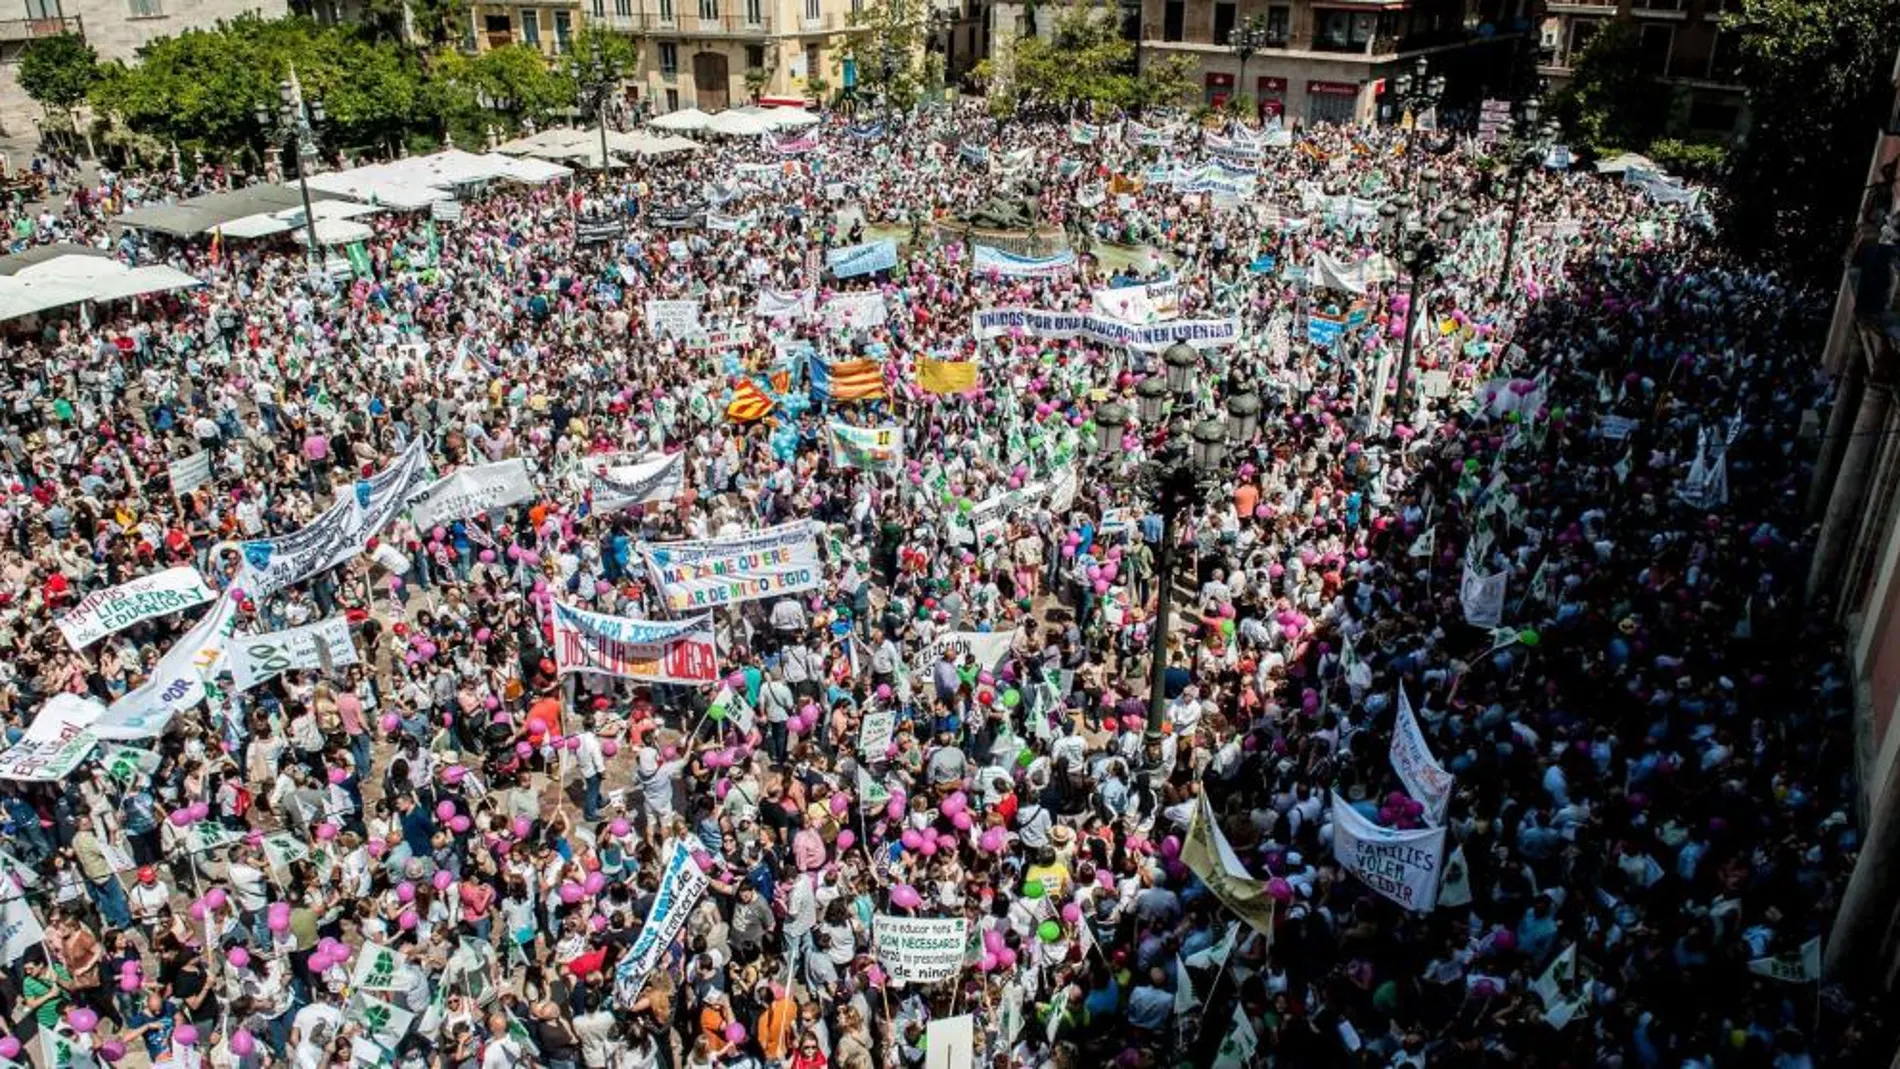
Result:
pixel 869 258
pixel 991 259
pixel 867 132
pixel 1321 330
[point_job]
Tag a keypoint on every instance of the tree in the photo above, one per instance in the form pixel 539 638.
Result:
pixel 1816 72
pixel 885 44
pixel 1085 61
pixel 428 24
pixel 1611 102
pixel 57 71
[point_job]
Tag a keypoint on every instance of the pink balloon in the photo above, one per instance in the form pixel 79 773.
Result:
pixel 405 892
pixel 339 776
pixel 839 805
pixel 904 896
pixel 326 831
pixel 111 1050
pixel 442 879
pixel 216 898
pixel 620 827
pixel 238 957
pixel 83 1020
pixel 460 824
pixel 407 921
pixel 594 884
pixel 444 809
pixel 243 1044
pixel 537 726
pixel 735 1032
pixel 845 840
pixel 609 748
pixel 522 826
pixel 391 722
pixel 571 893
pixel 961 818
pixel 912 839
pixel 185 1036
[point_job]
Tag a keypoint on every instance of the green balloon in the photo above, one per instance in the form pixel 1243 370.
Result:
pixel 964 506
pixel 1529 636
pixel 1012 698
pixel 1032 889
pixel 1050 931
pixel 1471 466
pixel 1227 628
pixel 1025 759
pixel 717 712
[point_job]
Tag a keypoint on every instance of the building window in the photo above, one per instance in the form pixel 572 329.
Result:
pixel 1712 113
pixel 754 13
pixel 600 9
pixel 1173 19
pixel 623 8
pixel 709 10
pixel 1724 63
pixel 145 9
pixel 530 26
pixel 1343 31
pixel 42 9
pixel 857 9
pixel 666 10
pixel 669 58
pixel 672 100
pixel 1223 23
pixel 563 30
pixel 811 11
pixel 1580 33
pixel 1658 41
pixel 1279 22
pixel 755 57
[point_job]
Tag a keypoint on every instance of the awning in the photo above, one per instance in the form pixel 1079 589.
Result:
pixel 685 119
pixel 76 278
pixel 202 214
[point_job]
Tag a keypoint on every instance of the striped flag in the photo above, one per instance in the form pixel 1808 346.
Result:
pixel 847 380
pixel 748 403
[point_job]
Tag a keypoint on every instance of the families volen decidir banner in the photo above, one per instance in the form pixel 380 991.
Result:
pixel 704 574
pixel 1402 865
pixel 654 651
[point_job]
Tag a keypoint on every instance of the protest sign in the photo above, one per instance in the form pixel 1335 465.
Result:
pixel 1483 597
pixel 1425 779
pixel 1152 337
pixel 105 612
pixel 377 969
pixel 700 574
pixel 259 658
pixel 127 764
pixel 875 732
pixel 988 648
pixel 867 448
pixel 659 479
pixel 856 311
pixel 189 473
pixel 785 304
pixel 382 1022
pixel 1801 966
pixel 178 681
pixel 950 1043
pixel 471 492
pixel 20 929
pixel 991 260
pixel 1151 303
pixel 919 950
pixel 681 885
pixel 674 651
pixel 675 319
pixel 55 743
pixel 1401 865
pixel 850 261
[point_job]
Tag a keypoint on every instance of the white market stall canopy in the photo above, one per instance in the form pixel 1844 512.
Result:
pixel 685 119
pixel 790 118
pixel 338 232
pixel 73 279
pixel 418 181
pixel 258 226
pixel 583 146
pixel 739 124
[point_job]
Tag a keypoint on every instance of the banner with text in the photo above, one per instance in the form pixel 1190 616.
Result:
pixel 851 261
pixel 659 479
pixel 259 658
pixel 867 448
pixel 671 651
pixel 919 950
pixel 702 574
pixel 59 738
pixel 360 512
pixel 1151 337
pixel 1401 865
pixel 105 612
pixel 1425 779
pixel 681 885
pixel 993 260
pixel 472 491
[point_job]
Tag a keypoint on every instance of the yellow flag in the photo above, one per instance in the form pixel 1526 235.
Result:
pixel 946 376
pixel 1207 854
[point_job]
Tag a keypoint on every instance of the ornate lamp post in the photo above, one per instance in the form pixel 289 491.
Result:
pixel 294 126
pixel 1418 239
pixel 1246 40
pixel 1418 91
pixel 1529 144
pixel 595 81
pixel 1173 481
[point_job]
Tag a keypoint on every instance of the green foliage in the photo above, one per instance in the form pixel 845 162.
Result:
pixel 618 56
pixel 1689 158
pixel 1085 61
pixel 435 23
pixel 1612 100
pixel 502 86
pixel 57 71
pixel 1816 71
pixel 886 43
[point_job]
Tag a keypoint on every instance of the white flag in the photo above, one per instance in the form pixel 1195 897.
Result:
pixel 1795 967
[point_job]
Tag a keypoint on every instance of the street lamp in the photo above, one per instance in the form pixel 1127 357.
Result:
pixel 1418 91
pixel 1418 240
pixel 1177 478
pixel 1529 144
pixel 294 125
pixel 1246 40
pixel 594 81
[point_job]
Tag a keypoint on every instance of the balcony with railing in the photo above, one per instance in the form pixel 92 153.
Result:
pixel 689 22
pixel 1581 7
pixel 32 29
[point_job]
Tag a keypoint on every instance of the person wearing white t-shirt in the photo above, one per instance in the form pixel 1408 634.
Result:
pixel 312 1033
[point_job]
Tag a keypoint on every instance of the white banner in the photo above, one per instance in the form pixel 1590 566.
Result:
pixel 56 742
pixel 20 929
pixel 1150 337
pixel 701 574
pixel 658 479
pixel 1483 597
pixel 472 491
pixel 360 512
pixel 189 473
pixel 1153 303
pixel 919 950
pixel 1425 779
pixel 671 651
pixel 1401 865
pixel 988 647
pixel 681 885
pixel 178 681
pixel 856 311
pixel 867 448
pixel 259 658
pixel 996 261
pixel 105 612
pixel 678 319
pixel 1795 967
pixel 785 304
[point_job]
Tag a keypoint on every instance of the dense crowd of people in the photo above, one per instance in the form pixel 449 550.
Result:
pixel 1554 556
